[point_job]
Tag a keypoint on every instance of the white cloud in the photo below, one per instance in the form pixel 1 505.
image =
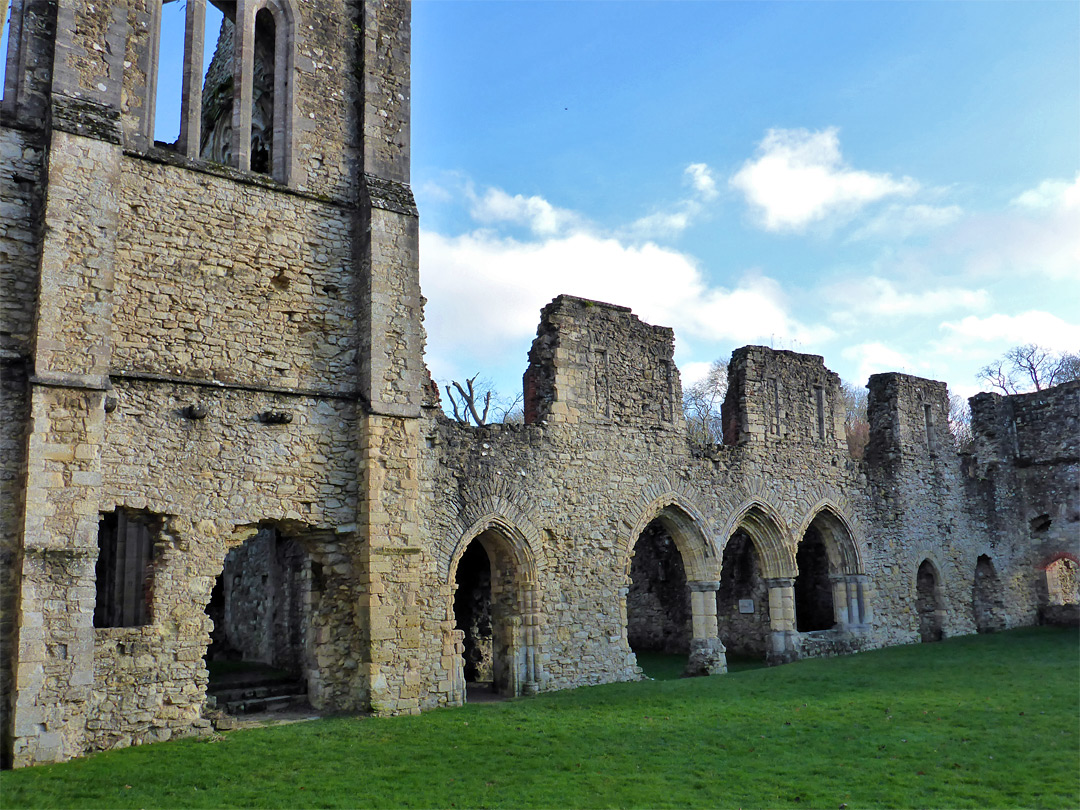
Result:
pixel 671 222
pixel 875 358
pixel 799 178
pixel 465 275
pixel 702 180
pixel 905 221
pixel 1050 194
pixel 660 224
pixel 540 216
pixel 1032 326
pixel 875 296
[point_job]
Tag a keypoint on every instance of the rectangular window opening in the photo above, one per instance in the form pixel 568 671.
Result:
pixel 929 427
pixel 125 568
pixel 819 400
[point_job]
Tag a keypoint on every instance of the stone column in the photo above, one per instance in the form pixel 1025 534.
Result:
pixel 707 653
pixel 841 603
pixel 781 620
pixel 243 74
pixel 191 92
pixel 866 612
pixel 531 629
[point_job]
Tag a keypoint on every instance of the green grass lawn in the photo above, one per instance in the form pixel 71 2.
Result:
pixel 979 721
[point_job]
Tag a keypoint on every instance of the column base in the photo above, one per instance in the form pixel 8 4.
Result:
pixel 708 656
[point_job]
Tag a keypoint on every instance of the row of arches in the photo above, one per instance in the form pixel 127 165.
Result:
pixel 679 596
pixel 267 594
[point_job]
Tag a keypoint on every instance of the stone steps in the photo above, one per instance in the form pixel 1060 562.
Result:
pixel 258 694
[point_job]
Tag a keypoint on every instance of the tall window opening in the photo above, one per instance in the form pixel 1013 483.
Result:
pixel 986 601
pixel 262 97
pixel 658 617
pixel 5 35
pixel 928 420
pixel 928 603
pixel 814 608
pixel 170 73
pixel 125 568
pixel 216 110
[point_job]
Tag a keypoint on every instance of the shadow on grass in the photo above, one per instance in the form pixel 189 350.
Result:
pixel 668 666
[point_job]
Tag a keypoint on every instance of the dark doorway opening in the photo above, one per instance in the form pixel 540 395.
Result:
pixel 257 656
pixel 742 601
pixel 658 617
pixel 927 600
pixel 472 612
pixel 814 608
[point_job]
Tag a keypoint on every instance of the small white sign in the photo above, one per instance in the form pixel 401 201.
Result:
pixel 746 606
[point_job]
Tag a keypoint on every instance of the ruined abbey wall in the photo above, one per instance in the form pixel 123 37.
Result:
pixel 209 355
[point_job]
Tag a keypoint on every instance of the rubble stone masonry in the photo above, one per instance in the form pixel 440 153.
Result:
pixel 222 356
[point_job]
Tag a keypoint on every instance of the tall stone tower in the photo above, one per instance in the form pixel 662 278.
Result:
pixel 200 341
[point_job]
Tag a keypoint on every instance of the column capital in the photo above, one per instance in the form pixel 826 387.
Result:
pixel 703 585
pixel 780 582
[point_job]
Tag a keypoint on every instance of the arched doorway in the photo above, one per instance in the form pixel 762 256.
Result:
pixel 260 607
pixel 658 613
pixel 492 608
pixel 1063 581
pixel 986 601
pixel 670 597
pixel 928 603
pixel 742 602
pixel 813 590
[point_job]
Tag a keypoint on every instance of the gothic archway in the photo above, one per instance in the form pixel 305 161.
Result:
pixel 986 602
pixel 493 611
pixel 929 602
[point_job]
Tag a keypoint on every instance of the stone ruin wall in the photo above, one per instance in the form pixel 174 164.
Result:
pixel 163 282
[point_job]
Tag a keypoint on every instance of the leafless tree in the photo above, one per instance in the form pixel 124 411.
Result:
pixel 476 401
pixel 464 404
pixel 856 420
pixel 701 406
pixel 1030 367
pixel 960 423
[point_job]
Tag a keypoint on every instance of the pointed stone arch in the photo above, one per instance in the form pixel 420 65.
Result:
pixel 844 549
pixel 929 599
pixel 502 509
pixel 504 552
pixel 676 515
pixel 689 529
pixel 770 535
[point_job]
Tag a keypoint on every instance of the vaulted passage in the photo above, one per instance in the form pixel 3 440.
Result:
pixel 1063 582
pixel 928 603
pixel 813 590
pixel 472 612
pixel 742 602
pixel 986 601
pixel 658 617
pixel 260 606
pixel 493 609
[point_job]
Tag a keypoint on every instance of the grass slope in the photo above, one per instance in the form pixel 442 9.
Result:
pixel 978 721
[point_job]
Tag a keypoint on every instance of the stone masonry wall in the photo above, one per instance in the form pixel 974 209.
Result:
pixel 231 282
pixel 231 354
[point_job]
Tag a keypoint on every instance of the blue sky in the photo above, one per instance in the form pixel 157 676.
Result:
pixel 893 185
